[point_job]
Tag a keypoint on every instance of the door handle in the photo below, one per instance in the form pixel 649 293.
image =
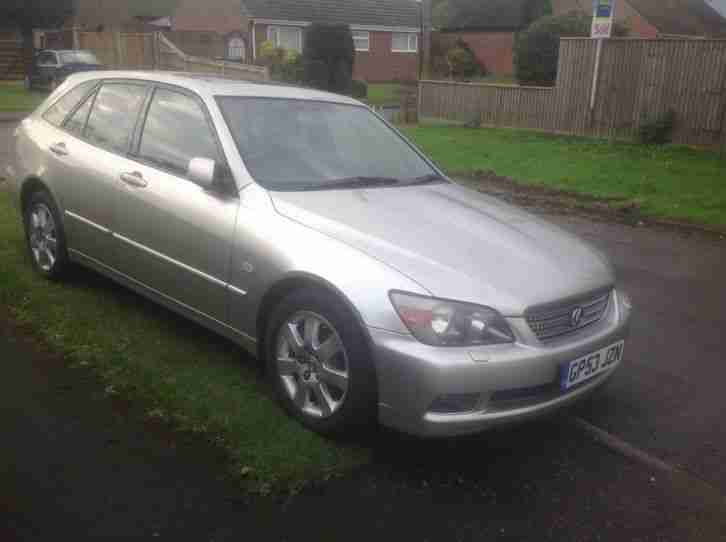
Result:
pixel 59 149
pixel 134 179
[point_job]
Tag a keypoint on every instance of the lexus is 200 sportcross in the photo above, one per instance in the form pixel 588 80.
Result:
pixel 302 226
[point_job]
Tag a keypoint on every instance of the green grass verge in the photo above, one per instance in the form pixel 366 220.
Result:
pixel 14 97
pixel 383 94
pixel 178 371
pixel 674 182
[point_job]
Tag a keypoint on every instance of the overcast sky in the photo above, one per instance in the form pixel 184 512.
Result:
pixel 720 5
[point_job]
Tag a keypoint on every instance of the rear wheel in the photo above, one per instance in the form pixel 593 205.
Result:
pixel 44 236
pixel 318 363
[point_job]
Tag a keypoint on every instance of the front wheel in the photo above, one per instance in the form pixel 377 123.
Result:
pixel 318 363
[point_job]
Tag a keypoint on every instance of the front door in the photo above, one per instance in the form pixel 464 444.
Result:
pixel 171 234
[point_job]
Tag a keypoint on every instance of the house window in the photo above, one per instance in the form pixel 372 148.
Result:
pixel 405 42
pixel 236 49
pixel 362 40
pixel 285 37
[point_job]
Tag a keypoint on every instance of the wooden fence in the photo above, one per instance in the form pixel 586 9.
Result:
pixel 11 59
pixel 637 80
pixel 153 51
pixel 170 57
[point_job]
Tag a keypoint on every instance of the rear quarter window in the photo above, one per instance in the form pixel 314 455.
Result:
pixel 58 112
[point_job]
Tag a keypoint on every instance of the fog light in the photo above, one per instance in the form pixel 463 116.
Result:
pixel 455 402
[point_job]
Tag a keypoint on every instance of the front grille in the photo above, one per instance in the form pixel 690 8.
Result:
pixel 556 319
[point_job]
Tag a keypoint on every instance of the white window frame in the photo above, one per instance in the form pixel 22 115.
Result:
pixel 362 35
pixel 239 46
pixel 411 42
pixel 273 36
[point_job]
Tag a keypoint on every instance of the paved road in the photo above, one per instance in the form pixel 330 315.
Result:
pixel 669 397
pixel 73 463
pixel 77 465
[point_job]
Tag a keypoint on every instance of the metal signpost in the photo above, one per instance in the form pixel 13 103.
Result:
pixel 602 28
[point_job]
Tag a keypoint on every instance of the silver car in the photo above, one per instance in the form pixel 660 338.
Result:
pixel 305 228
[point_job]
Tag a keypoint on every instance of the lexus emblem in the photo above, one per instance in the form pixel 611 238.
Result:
pixel 575 317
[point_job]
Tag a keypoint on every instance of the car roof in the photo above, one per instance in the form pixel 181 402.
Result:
pixel 209 85
pixel 65 51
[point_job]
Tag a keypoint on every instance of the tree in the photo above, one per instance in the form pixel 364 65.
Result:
pixel 328 57
pixel 537 49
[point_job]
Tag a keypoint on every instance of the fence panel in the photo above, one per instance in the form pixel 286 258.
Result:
pixel 638 80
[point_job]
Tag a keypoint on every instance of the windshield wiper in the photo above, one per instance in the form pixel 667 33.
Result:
pixel 360 182
pixel 426 179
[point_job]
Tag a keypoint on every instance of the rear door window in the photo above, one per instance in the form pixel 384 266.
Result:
pixel 58 112
pixel 46 59
pixel 113 116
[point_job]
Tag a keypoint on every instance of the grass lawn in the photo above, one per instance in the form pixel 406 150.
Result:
pixel 14 97
pixel 383 94
pixel 668 182
pixel 179 372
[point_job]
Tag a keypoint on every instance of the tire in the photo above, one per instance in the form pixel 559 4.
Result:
pixel 331 365
pixel 45 237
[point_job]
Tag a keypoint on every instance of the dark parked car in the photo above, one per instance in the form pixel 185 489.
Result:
pixel 50 68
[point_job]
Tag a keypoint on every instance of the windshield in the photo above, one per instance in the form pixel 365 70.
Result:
pixel 78 57
pixel 303 145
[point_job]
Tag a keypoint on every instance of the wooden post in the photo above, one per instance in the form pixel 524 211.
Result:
pixel 596 75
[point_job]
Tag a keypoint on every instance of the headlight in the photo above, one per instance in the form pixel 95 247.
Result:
pixel 437 322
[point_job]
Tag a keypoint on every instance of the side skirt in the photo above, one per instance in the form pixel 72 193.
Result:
pixel 233 334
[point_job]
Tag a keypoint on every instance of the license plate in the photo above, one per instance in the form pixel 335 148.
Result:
pixel 588 367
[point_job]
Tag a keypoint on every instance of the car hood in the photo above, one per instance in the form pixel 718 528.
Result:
pixel 455 242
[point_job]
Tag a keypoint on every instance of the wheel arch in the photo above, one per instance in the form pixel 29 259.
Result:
pixel 30 186
pixel 294 282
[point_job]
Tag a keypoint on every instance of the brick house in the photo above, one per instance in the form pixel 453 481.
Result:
pixel 658 18
pixel 386 32
pixel 489 29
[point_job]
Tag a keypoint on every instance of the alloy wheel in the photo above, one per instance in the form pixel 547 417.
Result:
pixel 43 237
pixel 312 364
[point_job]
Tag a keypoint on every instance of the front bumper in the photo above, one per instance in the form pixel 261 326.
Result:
pixel 512 383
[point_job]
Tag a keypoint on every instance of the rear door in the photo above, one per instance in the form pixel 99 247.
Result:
pixel 173 235
pixel 94 145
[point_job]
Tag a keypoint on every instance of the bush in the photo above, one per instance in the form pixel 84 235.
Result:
pixel 284 65
pixel 461 61
pixel 328 58
pixel 359 89
pixel 657 130
pixel 537 49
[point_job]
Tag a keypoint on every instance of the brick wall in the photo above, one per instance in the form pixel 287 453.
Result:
pixel 493 50
pixel 379 64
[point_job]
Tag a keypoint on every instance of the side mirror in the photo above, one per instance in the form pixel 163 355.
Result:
pixel 201 171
